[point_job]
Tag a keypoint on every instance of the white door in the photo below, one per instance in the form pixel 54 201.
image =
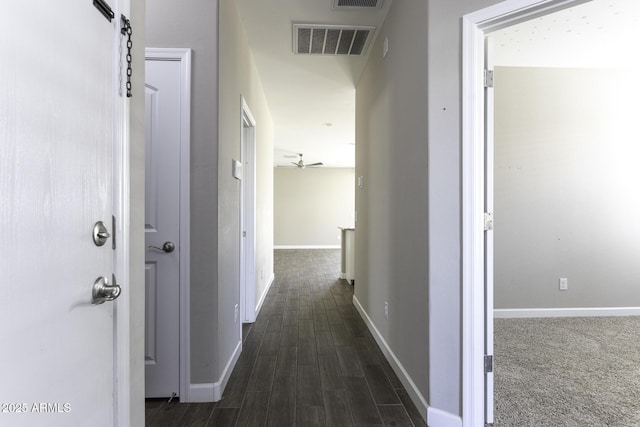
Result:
pixel 58 85
pixel 162 227
pixel 488 248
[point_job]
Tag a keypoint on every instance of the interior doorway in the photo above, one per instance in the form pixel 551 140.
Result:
pixel 477 220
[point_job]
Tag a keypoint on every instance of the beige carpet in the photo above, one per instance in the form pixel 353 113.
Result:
pixel 567 372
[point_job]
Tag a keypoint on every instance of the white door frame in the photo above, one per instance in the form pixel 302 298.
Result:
pixel 474 28
pixel 183 55
pixel 122 232
pixel 247 214
pixel 122 254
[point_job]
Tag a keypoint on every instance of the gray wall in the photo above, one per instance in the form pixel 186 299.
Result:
pixel 391 153
pixel 310 204
pixel 215 141
pixel 566 176
pixel 172 23
pixel 238 76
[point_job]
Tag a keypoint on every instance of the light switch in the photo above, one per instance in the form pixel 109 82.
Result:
pixel 236 169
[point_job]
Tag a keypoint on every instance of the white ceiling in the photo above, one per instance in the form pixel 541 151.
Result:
pixel 596 34
pixel 311 98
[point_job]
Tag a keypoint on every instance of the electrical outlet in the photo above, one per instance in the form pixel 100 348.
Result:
pixel 564 284
pixel 235 313
pixel 386 310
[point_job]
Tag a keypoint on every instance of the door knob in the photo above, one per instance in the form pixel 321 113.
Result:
pixel 168 247
pixel 103 291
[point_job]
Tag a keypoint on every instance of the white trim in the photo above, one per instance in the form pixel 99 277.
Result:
pixel 201 392
pixel 474 27
pixel 513 313
pixel 306 247
pixel 472 226
pixel 417 397
pixel 439 418
pixel 247 268
pixel 184 56
pixel 264 294
pixel 212 392
pixel 122 265
pixel 511 12
pixel 219 386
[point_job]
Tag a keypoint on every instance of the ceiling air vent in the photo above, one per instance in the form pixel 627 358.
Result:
pixel 311 39
pixel 339 4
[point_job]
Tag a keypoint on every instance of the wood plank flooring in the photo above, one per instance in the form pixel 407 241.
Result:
pixel 308 360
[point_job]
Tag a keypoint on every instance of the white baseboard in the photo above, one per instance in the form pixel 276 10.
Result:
pixel 218 387
pixel 200 393
pixel 440 418
pixel 264 294
pixel 417 397
pixel 307 247
pixel 509 313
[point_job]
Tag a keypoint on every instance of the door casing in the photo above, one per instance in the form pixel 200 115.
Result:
pixel 247 215
pixel 183 55
pixel 474 257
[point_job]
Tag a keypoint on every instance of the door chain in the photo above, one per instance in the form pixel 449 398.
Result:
pixel 126 30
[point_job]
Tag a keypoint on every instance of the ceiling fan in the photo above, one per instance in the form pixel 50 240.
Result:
pixel 301 165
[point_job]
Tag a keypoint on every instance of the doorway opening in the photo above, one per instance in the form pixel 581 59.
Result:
pixel 477 225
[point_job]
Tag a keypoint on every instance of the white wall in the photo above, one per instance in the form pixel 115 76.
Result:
pixel 311 203
pixel 171 23
pixel 392 256
pixel 566 176
pixel 239 77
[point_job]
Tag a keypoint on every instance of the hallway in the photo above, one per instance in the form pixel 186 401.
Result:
pixel 308 360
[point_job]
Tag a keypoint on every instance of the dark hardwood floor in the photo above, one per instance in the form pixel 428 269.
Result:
pixel 308 360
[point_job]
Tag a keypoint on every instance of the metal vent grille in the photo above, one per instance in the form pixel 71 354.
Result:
pixel 357 3
pixel 330 39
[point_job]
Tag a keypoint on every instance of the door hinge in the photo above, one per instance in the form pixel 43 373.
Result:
pixel 488 221
pixel 113 232
pixel 488 78
pixel 488 364
pixel 244 234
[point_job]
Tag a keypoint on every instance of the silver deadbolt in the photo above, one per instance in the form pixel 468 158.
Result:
pixel 100 234
pixel 103 291
pixel 167 247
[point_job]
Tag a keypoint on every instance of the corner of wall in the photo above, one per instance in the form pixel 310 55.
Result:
pixel 440 418
pixel 414 393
